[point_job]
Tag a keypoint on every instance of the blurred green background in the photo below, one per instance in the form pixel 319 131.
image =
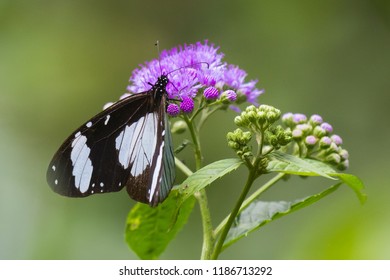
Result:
pixel 60 61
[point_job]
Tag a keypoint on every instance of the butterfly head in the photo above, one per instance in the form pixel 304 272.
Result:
pixel 161 84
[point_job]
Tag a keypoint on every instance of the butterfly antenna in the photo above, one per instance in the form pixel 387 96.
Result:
pixel 188 66
pixel 157 44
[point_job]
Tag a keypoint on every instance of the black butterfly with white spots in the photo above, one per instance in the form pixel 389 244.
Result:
pixel 128 144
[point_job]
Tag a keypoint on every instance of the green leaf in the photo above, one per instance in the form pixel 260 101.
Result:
pixel 353 182
pixel 206 175
pixel 286 163
pixel 149 230
pixel 289 164
pixel 260 213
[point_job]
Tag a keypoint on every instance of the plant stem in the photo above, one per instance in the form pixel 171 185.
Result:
pixel 208 237
pixel 184 168
pixel 251 178
pixel 201 196
pixel 195 139
pixel 250 199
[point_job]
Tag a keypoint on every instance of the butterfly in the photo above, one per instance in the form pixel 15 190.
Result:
pixel 128 144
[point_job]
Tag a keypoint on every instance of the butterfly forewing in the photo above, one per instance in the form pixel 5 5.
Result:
pixel 125 145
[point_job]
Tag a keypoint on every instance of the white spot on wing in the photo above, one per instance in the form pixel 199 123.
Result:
pixel 89 124
pixel 106 120
pixel 56 182
pixel 78 133
pixel 102 184
pixel 53 167
pixel 82 165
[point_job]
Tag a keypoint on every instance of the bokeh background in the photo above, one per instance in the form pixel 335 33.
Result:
pixel 60 61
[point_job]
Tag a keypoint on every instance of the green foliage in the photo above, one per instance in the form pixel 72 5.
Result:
pixel 206 175
pixel 289 164
pixel 149 230
pixel 260 213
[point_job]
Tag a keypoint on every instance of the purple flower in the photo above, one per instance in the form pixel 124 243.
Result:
pixel 211 93
pixel 190 68
pixel 187 104
pixel 173 109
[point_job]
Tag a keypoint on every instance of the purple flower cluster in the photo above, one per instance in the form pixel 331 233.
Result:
pixel 193 69
pixel 314 139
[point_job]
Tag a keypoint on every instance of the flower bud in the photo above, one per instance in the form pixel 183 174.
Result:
pixel 173 109
pixel 333 158
pixel 229 95
pixel 344 154
pixel 238 121
pixel 233 145
pixel 319 132
pixel 287 119
pixel 179 127
pixel 336 139
pixel 211 93
pixel 333 148
pixel 311 140
pixel 297 133
pixel 343 165
pixel 325 142
pixel 305 128
pixel 250 108
pixel 187 104
pixel 299 118
pixel 272 117
pixel 327 127
pixel 316 120
pixel 252 116
pixel 261 117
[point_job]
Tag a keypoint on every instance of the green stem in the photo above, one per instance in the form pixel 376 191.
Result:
pixel 208 237
pixel 251 178
pixel 201 196
pixel 196 142
pixel 250 199
pixel 184 168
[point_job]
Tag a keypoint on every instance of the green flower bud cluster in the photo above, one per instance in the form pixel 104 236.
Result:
pixel 260 124
pixel 315 139
pixel 238 141
pixel 258 119
pixel 277 136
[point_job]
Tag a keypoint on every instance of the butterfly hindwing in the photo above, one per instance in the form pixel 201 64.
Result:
pixel 160 174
